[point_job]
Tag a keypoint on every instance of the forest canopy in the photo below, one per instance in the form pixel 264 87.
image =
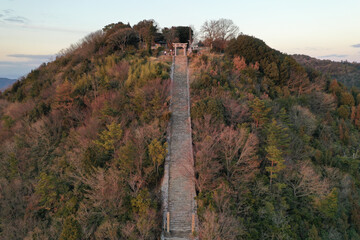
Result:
pixel 83 141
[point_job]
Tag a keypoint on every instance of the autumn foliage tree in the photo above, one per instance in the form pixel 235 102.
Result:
pixel 63 100
pixel 239 63
pixel 355 115
pixel 110 137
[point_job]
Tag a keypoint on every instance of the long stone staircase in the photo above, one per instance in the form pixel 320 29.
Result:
pixel 180 206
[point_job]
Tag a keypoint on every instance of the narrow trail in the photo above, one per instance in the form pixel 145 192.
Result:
pixel 179 169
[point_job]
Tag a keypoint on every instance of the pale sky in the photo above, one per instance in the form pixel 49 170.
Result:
pixel 33 31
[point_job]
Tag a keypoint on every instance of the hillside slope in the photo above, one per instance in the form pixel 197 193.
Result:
pixel 276 147
pixel 82 142
pixel 344 72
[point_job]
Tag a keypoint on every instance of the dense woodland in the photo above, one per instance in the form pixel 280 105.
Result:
pixel 344 72
pixel 276 147
pixel 83 142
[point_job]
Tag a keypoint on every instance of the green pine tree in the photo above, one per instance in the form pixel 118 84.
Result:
pixel 313 234
pixel 157 153
pixel 277 146
pixel 71 230
pixel 259 111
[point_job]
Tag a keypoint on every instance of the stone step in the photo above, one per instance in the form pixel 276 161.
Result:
pixel 181 188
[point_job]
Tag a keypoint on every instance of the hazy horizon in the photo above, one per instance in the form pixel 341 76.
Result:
pixel 33 32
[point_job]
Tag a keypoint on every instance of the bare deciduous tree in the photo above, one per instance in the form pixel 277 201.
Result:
pixel 227 29
pixel 206 167
pixel 210 30
pixel 218 226
pixel 231 142
pixel 123 37
pixel 219 31
pixel 307 182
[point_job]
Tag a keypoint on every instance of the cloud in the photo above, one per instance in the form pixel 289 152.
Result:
pixel 32 56
pixel 56 29
pixel 22 66
pixel 8 16
pixel 8 11
pixel 22 63
pixel 5 63
pixel 311 49
pixel 16 19
pixel 15 70
pixel 334 56
pixel 356 45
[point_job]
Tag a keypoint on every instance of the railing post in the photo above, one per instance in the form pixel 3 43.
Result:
pixel 193 223
pixel 168 221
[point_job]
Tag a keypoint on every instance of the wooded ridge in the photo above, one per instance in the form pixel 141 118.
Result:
pixel 83 141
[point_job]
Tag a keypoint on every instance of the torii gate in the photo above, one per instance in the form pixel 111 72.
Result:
pixel 183 45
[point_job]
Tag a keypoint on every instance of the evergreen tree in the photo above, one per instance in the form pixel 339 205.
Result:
pixel 356 118
pixel 313 234
pixel 347 98
pixel 274 156
pixel 259 111
pixel 109 137
pixel 272 71
pixel 71 230
pixel 277 146
pixel 284 117
pixel 334 87
pixel 157 153
pixel 343 112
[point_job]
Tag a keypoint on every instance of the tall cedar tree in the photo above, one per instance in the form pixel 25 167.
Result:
pixel 259 112
pixel 277 144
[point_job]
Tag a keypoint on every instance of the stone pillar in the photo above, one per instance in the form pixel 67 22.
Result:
pixel 184 50
pixel 175 50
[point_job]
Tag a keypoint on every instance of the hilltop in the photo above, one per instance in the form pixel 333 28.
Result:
pixel 83 141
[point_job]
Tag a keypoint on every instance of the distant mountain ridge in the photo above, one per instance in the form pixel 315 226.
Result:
pixel 344 72
pixel 6 82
